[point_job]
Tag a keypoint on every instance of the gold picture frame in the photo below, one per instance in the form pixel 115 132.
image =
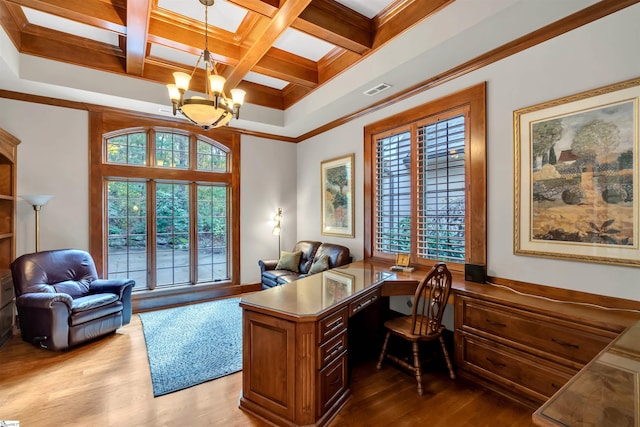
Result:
pixel 403 260
pixel 576 177
pixel 336 189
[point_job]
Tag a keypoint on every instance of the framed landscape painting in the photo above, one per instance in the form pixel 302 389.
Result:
pixel 336 188
pixel 576 177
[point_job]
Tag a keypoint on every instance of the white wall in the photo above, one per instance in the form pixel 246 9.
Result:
pixel 52 159
pixel 268 182
pixel 594 55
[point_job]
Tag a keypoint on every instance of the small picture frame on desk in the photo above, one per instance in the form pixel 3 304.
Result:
pixel 402 263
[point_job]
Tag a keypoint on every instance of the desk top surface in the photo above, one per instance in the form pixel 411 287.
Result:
pixel 604 393
pixel 320 293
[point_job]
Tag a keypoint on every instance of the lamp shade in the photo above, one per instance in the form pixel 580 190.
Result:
pixel 37 199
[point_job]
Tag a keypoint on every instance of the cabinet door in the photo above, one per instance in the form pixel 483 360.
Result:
pixel 269 363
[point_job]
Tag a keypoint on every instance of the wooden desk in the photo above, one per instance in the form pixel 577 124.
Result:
pixel 295 364
pixel 604 393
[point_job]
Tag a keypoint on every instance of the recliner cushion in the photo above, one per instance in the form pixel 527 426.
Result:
pixel 289 261
pixel 79 317
pixel 92 301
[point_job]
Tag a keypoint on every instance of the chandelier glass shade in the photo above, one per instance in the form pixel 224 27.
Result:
pixel 216 109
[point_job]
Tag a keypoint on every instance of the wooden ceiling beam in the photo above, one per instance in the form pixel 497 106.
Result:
pixel 337 24
pixel 263 35
pixel 63 47
pixel 96 13
pixel 138 14
pixel 289 67
pixel 12 20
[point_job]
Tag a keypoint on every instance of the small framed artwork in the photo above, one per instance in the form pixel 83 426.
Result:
pixel 402 260
pixel 576 177
pixel 335 287
pixel 336 187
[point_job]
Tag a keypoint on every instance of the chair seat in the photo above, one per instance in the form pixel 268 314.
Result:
pixel 402 326
pixel 91 307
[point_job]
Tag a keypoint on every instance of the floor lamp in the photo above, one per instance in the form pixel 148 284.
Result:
pixel 37 201
pixel 276 228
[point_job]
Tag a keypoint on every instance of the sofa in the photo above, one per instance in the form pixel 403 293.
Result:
pixel 307 257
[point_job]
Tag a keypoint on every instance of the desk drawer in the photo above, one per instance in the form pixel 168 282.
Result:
pixel 328 351
pixel 333 383
pixel 332 325
pixel 363 301
pixel 555 337
pixel 512 369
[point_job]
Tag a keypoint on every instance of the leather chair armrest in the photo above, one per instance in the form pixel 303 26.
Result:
pixel 43 300
pixel 110 286
pixel 121 287
pixel 267 264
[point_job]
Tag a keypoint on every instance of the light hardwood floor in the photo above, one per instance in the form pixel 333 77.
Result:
pixel 107 383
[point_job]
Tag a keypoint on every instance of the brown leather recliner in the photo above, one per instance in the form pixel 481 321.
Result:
pixel 336 255
pixel 61 301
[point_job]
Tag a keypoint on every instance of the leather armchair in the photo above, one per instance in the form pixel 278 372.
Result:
pixel 61 301
pixel 311 251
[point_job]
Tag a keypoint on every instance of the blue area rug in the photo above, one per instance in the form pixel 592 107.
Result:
pixel 193 344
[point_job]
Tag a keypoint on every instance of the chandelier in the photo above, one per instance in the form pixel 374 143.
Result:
pixel 216 110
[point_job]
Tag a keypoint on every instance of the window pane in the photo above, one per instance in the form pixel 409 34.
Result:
pixel 213 263
pixel 393 199
pixel 172 150
pixel 441 188
pixel 172 236
pixel 127 149
pixel 127 232
pixel 211 158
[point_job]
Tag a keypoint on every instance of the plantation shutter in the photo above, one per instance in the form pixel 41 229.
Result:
pixel 393 198
pixel 441 190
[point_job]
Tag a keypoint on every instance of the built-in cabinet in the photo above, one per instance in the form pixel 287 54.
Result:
pixel 527 346
pixel 8 162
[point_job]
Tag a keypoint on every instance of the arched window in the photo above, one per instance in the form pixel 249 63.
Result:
pixel 163 202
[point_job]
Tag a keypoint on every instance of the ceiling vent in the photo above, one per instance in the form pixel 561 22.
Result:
pixel 377 89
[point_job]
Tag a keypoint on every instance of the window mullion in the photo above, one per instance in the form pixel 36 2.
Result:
pixel 152 230
pixel 193 231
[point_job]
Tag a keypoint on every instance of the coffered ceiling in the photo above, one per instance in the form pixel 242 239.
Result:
pixel 302 62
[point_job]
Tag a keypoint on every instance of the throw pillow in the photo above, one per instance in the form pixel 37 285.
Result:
pixel 319 264
pixel 289 261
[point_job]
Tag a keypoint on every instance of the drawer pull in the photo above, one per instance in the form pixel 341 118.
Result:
pixel 565 344
pixel 496 363
pixel 334 325
pixel 365 303
pixel 338 380
pixel 556 386
pixel 336 349
pixel 493 323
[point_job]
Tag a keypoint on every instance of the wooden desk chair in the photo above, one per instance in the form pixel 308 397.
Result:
pixel 425 321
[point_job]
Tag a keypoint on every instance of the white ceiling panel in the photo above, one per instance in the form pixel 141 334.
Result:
pixel 174 55
pixel 302 44
pixel 368 8
pixel 70 27
pixel 222 14
pixel 265 80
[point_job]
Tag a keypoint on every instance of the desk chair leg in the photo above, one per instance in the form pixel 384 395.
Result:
pixel 384 350
pixel 452 375
pixel 416 366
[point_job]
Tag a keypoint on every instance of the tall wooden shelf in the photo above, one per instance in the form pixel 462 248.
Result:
pixel 8 177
